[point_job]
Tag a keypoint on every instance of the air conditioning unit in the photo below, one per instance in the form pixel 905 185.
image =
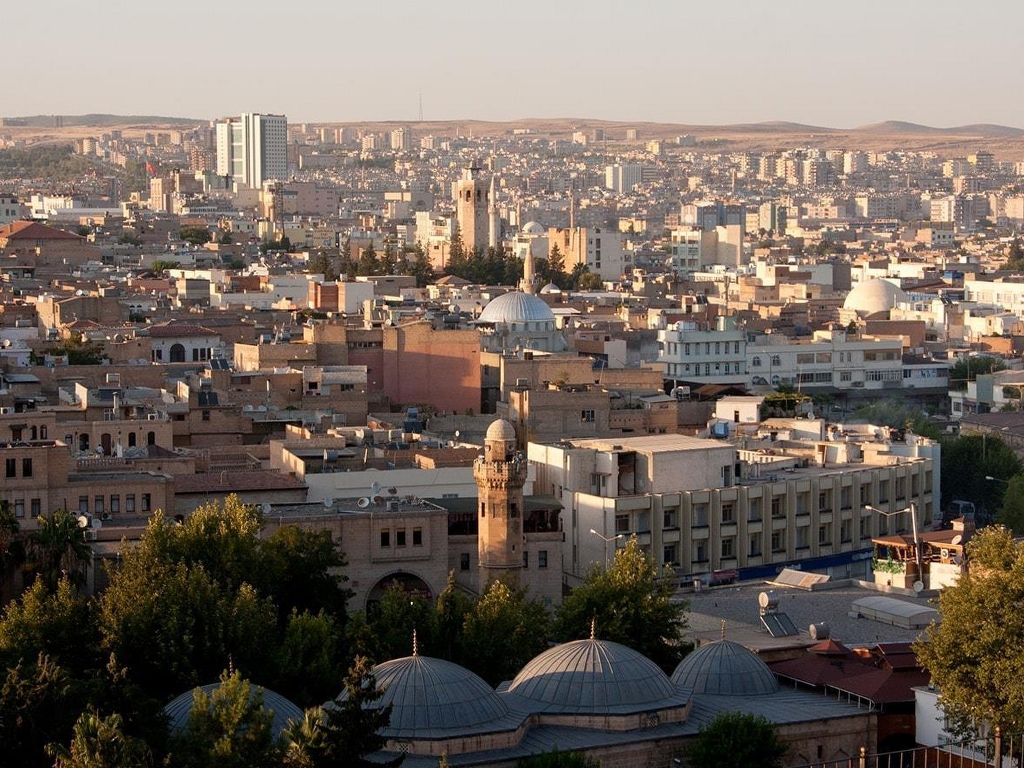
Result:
pixel 152 417
pixel 89 535
pixel 105 516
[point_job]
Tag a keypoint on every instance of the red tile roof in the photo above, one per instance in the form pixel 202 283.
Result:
pixel 174 329
pixel 33 230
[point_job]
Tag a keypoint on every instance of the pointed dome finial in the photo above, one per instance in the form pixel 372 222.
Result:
pixel 593 628
pixel 723 629
pixel 415 644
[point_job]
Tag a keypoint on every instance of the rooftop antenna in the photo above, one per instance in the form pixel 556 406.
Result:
pixel 421 107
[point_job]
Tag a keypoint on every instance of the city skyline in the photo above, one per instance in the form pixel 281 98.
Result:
pixel 719 65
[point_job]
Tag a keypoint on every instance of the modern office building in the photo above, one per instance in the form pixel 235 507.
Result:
pixel 252 149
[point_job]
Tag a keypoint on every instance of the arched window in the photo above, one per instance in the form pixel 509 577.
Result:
pixel 33 432
pixel 131 439
pixel 776 360
pixel 178 353
pixel 83 442
pixel 756 362
pixel 151 438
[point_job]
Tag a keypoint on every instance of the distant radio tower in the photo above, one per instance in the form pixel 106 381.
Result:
pixel 421 107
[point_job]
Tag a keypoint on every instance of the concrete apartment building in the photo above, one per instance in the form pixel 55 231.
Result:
pixel 598 248
pixel 252 149
pixel 702 505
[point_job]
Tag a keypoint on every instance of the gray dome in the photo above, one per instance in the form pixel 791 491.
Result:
pixel 501 429
pixel 550 288
pixel 726 668
pixel 533 228
pixel 179 710
pixel 874 296
pixel 593 676
pixel 516 307
pixel 431 697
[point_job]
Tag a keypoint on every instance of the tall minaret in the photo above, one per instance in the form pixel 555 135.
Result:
pixel 529 274
pixel 500 474
pixel 471 209
pixel 494 220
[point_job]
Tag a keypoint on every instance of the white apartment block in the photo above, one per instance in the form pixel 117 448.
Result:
pixel 703 505
pixel 252 149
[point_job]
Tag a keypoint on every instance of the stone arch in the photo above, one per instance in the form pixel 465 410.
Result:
pixel 406 580
pixel 177 353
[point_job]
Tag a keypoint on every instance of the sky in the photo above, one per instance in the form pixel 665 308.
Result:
pixel 825 63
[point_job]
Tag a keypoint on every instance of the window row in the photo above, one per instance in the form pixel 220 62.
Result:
pixel 400 537
pixel 102 504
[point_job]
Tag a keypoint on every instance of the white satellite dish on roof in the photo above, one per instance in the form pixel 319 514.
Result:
pixel 363 503
pixel 266 508
pixel 83 521
pixel 956 539
pixel 375 488
pixel 919 586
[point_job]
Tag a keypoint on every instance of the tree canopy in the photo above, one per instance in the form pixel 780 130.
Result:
pixel 737 740
pixel 629 603
pixel 976 654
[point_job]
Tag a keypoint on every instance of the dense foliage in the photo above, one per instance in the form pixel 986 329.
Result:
pixel 737 740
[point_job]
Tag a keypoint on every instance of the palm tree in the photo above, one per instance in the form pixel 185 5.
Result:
pixel 58 546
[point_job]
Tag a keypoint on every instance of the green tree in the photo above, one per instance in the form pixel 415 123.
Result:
pixel 79 351
pixel 1015 255
pixel 503 631
pixel 101 742
pixel 162 265
pixel 308 657
pixel 60 624
pixel 303 571
pixel 322 264
pixel 195 235
pixel 737 740
pixel 898 414
pixel 976 654
pixel 58 547
pixel 630 603
pixel 457 256
pixel 387 264
pixel 35 709
pixel 1011 512
pixel 556 267
pixel 394 619
pixel 453 606
pixel 558 759
pixel 970 368
pixel 228 728
pixel 966 463
pixel 368 262
pixel 590 281
pixel 12 547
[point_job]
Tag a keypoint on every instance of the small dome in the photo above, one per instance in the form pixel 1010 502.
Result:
pixel 874 296
pixel 726 668
pixel 285 712
pixel 516 307
pixel 593 676
pixel 501 429
pixel 533 228
pixel 550 288
pixel 432 697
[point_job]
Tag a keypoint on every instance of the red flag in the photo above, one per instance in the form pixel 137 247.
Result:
pixel 150 169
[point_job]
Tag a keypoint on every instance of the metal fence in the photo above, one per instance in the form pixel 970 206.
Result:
pixel 970 753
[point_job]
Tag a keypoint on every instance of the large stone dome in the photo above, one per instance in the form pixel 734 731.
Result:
pixel 593 676
pixel 874 296
pixel 433 697
pixel 517 307
pixel 533 228
pixel 725 668
pixel 285 712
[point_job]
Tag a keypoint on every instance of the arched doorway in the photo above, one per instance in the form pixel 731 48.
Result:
pixel 177 353
pixel 408 582
pixel 83 442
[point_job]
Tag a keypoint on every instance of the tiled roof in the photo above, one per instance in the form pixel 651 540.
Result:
pixel 32 230
pixel 172 329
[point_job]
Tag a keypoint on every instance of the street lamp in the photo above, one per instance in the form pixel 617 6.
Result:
pixel 607 540
pixel 996 479
pixel 912 509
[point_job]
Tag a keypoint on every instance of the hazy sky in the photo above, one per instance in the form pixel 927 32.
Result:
pixel 822 62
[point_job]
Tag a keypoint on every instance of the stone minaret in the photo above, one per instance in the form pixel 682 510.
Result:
pixel 471 209
pixel 529 274
pixel 500 474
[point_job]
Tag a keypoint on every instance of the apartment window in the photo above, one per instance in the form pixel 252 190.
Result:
pixel 542 559
pixel 883 491
pixel 670 552
pixel 700 514
pixel 671 518
pixel 865 495
pixel 19 507
pixel 36 508
pixel 129 502
pixel 147 502
pixel 728 548
pixel 400 537
pixel 844 497
pixel 729 512
pixel 83 505
pixel 825 534
pixel 417 537
pixel 824 501
pixel 778 541
pixel 98 506
pixel 526 559
pixel 115 503
pixel 846 531
pixel 385 538
pixel 776 506
pixel 845 376
pixel 801 537
pixel 587 416
pixel 11 467
pixel 776 360
pixel 865 527
pixel 754 511
pixel 700 552
pixel 131 439
pixel 754 550
pixel 622 523
pixel 755 362
pixel 206 415
pixel 464 561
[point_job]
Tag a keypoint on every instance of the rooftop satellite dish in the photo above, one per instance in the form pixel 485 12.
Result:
pixel 363 503
pixel 6 343
pixel 919 586
pixel 956 539
pixel 266 508
pixel 83 521
pixel 328 503
pixel 96 523
pixel 375 488
pixel 458 434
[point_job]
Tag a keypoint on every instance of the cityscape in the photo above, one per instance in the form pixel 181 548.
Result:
pixel 359 406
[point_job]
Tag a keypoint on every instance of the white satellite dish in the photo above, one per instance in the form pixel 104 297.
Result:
pixel 266 508
pixel 375 488
pixel 96 523
pixel 956 539
pixel 328 503
pixel 919 586
pixel 363 503
pixel 83 521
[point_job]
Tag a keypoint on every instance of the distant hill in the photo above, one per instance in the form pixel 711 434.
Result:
pixel 46 121
pixel 986 130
